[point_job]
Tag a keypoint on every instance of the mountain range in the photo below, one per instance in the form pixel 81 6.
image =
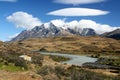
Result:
pixel 51 30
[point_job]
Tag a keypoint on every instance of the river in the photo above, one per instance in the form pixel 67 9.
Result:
pixel 74 59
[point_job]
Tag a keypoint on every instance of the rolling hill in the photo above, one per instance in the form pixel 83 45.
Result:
pixel 72 44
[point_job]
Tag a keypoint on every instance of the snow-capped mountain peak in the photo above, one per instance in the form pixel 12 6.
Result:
pixel 51 30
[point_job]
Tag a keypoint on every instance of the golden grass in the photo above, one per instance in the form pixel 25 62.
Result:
pixel 74 45
pixel 19 76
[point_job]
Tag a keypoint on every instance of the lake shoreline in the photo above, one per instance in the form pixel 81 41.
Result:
pixel 91 65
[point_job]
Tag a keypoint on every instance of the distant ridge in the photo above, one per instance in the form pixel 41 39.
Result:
pixel 114 34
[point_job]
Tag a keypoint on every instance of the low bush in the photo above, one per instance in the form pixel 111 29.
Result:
pixel 74 73
pixel 37 59
pixel 45 70
pixel 59 58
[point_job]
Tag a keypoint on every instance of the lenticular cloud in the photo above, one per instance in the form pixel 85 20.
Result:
pixel 77 2
pixel 78 12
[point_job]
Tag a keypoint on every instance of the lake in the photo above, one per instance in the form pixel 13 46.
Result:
pixel 74 59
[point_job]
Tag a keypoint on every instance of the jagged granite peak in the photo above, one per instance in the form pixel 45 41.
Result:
pixel 54 29
pixel 113 34
pixel 21 36
pixel 42 31
pixel 71 31
pixel 37 28
pixel 75 30
pixel 88 32
pixel 50 30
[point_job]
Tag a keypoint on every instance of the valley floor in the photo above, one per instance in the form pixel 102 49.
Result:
pixel 44 68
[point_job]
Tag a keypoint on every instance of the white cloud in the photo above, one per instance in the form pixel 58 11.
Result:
pixel 78 12
pixel 24 20
pixel 77 2
pixel 8 0
pixel 72 24
pixel 58 22
pixel 99 28
pixel 13 36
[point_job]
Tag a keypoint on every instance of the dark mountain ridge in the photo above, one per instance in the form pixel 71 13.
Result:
pixel 114 34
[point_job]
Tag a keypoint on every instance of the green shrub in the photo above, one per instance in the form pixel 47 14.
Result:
pixel 59 58
pixel 59 70
pixel 21 63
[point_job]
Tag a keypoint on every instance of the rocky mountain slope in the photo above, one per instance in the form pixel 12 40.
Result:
pixel 114 34
pixel 50 30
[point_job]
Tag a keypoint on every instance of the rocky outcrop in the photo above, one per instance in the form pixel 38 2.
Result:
pixel 88 32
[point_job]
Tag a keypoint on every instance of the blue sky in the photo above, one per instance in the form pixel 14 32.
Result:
pixel 44 11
